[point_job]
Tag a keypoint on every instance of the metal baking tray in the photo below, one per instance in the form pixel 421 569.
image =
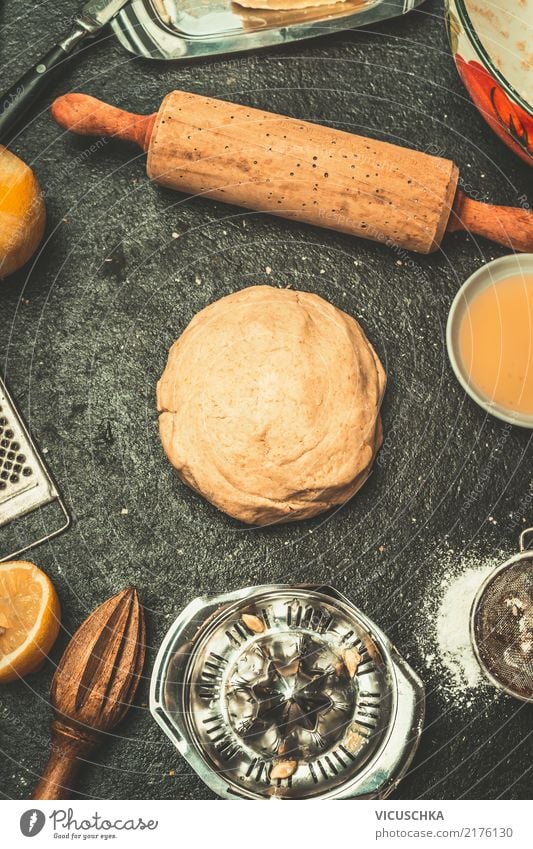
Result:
pixel 188 29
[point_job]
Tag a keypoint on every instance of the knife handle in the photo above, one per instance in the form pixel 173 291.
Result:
pixel 68 750
pixel 15 102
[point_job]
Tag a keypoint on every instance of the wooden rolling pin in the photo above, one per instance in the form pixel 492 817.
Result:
pixel 300 170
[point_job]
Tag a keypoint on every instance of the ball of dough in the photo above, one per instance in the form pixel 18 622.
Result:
pixel 269 405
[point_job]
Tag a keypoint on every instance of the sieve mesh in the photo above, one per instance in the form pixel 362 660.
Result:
pixel 502 627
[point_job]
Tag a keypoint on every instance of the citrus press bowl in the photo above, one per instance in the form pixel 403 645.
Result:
pixel 287 692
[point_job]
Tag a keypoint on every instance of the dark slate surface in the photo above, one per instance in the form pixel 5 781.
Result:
pixel 83 338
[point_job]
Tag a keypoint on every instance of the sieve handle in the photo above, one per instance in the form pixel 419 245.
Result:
pixel 523 538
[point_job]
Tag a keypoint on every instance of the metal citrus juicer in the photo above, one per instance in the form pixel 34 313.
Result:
pixel 287 692
pixel 501 624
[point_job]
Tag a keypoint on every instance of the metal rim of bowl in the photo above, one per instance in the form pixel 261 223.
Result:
pixel 486 58
pixel 522 555
pixel 521 263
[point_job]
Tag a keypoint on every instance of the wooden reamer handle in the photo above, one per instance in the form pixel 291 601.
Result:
pixel 59 775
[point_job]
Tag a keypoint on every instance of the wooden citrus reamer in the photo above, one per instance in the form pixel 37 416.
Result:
pixel 93 688
pixel 300 170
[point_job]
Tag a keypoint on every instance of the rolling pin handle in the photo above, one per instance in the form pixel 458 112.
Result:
pixel 87 116
pixel 508 225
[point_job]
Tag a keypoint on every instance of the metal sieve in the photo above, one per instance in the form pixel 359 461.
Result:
pixel 287 692
pixel 26 485
pixel 501 624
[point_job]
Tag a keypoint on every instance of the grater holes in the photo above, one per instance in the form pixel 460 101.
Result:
pixel 13 464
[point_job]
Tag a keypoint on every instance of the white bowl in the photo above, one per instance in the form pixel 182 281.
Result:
pixel 492 272
pixel 492 42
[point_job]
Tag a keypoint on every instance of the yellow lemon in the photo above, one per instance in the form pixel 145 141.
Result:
pixel 30 617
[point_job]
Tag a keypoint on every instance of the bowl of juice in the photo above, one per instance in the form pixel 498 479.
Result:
pixel 489 337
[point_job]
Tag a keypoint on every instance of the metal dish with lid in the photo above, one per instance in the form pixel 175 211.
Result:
pixel 166 29
pixel 287 692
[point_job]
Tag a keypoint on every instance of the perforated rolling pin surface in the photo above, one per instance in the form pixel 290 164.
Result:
pixel 302 171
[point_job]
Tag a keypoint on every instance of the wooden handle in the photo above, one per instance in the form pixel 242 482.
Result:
pixel 508 225
pixel 88 116
pixel 57 779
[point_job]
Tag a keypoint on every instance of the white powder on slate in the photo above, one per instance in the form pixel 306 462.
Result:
pixel 453 626
pixel 445 635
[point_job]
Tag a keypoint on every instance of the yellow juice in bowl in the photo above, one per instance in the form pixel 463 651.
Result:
pixel 496 343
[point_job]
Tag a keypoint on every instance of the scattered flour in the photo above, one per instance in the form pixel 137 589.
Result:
pixel 445 635
pixel 453 626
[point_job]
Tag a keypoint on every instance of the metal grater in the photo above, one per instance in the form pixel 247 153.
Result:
pixel 287 692
pixel 25 483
